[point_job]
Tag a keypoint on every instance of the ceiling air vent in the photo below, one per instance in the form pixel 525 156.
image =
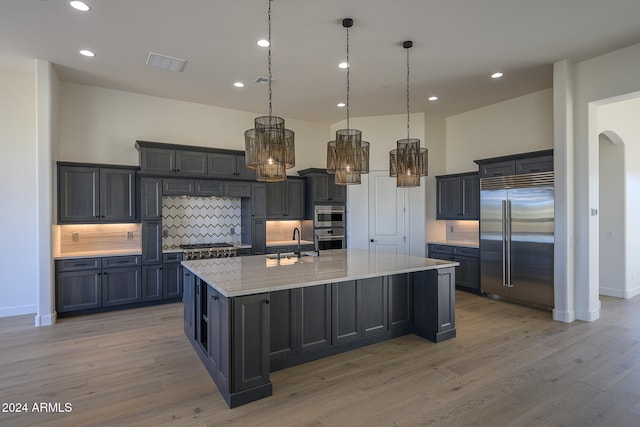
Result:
pixel 165 62
pixel 262 80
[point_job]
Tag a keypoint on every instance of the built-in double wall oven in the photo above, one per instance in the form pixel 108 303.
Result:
pixel 328 223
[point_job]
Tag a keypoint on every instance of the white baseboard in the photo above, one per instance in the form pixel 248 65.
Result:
pixel 588 316
pixel 631 293
pixel 46 320
pixel 17 310
pixel 611 292
pixel 564 316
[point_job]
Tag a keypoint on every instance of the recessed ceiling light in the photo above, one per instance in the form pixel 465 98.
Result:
pixel 496 75
pixel 343 65
pixel 263 43
pixel 341 104
pixel 433 98
pixel 88 53
pixel 238 84
pixel 78 5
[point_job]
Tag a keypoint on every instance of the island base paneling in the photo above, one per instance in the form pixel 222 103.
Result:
pixel 241 339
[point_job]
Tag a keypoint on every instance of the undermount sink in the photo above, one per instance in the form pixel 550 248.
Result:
pixel 289 255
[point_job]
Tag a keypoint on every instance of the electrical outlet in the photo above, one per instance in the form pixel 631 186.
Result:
pixel 232 231
pixel 75 237
pixel 451 228
pixel 165 233
pixel 129 235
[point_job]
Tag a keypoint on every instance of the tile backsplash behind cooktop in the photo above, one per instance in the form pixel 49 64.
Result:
pixel 200 220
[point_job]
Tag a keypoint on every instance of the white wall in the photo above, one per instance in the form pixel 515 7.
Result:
pixel 436 141
pixel 101 125
pixel 514 126
pixel 18 279
pixel 597 81
pixel 621 118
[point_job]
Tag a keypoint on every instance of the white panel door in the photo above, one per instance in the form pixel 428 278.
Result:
pixel 388 217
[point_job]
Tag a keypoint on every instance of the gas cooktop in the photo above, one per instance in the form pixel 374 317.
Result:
pixel 207 245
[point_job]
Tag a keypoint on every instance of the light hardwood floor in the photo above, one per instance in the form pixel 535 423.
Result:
pixel 509 365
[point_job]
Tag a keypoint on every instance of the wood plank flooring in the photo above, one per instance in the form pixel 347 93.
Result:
pixel 508 366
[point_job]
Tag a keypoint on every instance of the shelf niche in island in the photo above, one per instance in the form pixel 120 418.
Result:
pixel 249 316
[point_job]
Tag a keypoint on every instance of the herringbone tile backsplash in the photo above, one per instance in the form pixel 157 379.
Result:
pixel 200 220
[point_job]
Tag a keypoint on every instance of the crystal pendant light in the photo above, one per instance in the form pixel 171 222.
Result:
pixel 269 146
pixel 348 154
pixel 408 162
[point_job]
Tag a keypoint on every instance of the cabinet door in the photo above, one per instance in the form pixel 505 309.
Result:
pixel 151 195
pixel 177 187
pixel 121 286
pixel 320 187
pixel 449 198
pixel 468 273
pixel 258 201
pixel 188 299
pixel 243 171
pixel 314 317
pixel 294 199
pixel 171 280
pixel 78 290
pixel 151 282
pixel 337 193
pixel 400 303
pixel 157 160
pixel 258 237
pixel 282 325
pixel 78 194
pixel 276 194
pixel 347 318
pixel 151 242
pixel 374 305
pixel 191 162
pixel 470 190
pixel 117 195
pixel 208 187
pixel 218 336
pixel 221 164
pixel 250 341
pixel 534 164
pixel 505 168
pixel 237 189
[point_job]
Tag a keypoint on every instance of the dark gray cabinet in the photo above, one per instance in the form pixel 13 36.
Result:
pixel 400 301
pixel 321 187
pixel 209 187
pixel 374 305
pixel 171 275
pixel 188 280
pixel 121 286
pixel 468 274
pixel 218 336
pixel 237 189
pixel 283 331
pixel 534 162
pixel 226 165
pixel 250 341
pixel 347 317
pixel 314 317
pixel 151 199
pixel 434 304
pixel 458 196
pixel 168 161
pixel 152 282
pixel 254 214
pixel 88 194
pixel 92 283
pixel 178 187
pixel 258 237
pixel 285 199
pixel 191 162
pixel 151 242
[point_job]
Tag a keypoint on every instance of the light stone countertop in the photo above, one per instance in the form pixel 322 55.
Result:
pixel 98 254
pixel 256 274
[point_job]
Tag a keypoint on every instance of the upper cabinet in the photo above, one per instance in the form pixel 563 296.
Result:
pixel 458 196
pixel 169 159
pixel 517 164
pixel 322 187
pixel 285 199
pixel 91 193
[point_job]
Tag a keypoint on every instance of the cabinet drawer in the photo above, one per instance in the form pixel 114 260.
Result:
pixel 237 189
pixel 171 257
pixel 443 249
pixel 498 169
pixel 209 187
pixel 77 264
pixel 465 251
pixel 177 187
pixel 121 261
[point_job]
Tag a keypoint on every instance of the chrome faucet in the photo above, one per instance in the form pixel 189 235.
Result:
pixel 294 238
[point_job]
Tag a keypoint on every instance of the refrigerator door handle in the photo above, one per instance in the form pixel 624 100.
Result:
pixel 508 225
pixel 504 243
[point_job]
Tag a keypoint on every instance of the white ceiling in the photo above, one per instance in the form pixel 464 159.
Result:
pixel 457 45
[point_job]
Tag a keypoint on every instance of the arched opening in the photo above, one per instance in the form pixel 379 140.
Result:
pixel 612 215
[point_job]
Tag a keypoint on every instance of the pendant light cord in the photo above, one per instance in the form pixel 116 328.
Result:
pixel 269 57
pixel 407 93
pixel 348 70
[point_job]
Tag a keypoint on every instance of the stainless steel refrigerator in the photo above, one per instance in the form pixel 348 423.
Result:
pixel 516 238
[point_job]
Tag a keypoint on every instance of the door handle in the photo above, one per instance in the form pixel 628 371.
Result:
pixel 509 244
pixel 504 243
pixel 371 240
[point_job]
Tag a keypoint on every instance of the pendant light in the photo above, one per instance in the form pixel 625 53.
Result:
pixel 348 154
pixel 408 162
pixel 269 146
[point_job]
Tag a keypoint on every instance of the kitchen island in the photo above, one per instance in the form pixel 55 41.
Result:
pixel 248 316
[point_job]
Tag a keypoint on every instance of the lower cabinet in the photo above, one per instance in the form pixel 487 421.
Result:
pixel 152 282
pixel 171 275
pixel 78 290
pixel 121 286
pixel 434 306
pixel 468 274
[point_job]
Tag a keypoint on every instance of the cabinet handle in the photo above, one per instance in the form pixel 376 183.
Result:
pixel 266 301
pixel 215 298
